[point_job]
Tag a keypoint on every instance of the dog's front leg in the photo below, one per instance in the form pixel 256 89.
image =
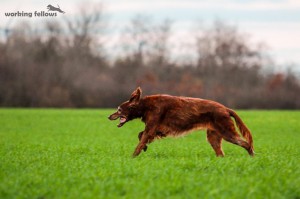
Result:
pixel 140 137
pixel 145 138
pixel 141 145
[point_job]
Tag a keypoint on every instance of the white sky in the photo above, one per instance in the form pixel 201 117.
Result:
pixel 273 22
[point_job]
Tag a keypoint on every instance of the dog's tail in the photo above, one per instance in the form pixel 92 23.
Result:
pixel 242 127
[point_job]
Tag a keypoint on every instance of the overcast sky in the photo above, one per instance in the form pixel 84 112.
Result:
pixel 274 22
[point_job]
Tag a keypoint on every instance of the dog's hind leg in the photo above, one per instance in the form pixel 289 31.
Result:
pixel 228 133
pixel 215 140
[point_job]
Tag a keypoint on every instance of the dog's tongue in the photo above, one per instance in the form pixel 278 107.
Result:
pixel 122 119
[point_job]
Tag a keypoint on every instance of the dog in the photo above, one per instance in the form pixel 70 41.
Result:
pixel 52 8
pixel 166 115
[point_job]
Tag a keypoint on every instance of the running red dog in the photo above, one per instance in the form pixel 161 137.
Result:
pixel 166 115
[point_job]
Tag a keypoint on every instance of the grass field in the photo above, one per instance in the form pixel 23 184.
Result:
pixel 52 153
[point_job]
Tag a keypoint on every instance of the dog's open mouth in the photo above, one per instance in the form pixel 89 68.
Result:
pixel 123 120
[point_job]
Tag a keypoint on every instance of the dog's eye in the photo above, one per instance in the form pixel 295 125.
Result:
pixel 119 110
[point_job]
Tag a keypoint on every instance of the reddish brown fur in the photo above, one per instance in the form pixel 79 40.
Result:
pixel 166 115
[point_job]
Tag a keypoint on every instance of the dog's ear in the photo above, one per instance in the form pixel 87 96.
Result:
pixel 136 95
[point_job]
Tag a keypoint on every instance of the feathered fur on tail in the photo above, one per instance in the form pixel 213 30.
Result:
pixel 242 127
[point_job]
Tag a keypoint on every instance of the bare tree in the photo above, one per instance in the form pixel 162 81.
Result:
pixel 228 64
pixel 146 40
pixel 85 29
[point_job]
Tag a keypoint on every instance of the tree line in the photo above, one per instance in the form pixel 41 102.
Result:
pixel 67 65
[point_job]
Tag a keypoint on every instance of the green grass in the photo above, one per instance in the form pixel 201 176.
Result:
pixel 52 153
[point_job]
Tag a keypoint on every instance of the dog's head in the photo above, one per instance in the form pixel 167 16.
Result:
pixel 128 110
